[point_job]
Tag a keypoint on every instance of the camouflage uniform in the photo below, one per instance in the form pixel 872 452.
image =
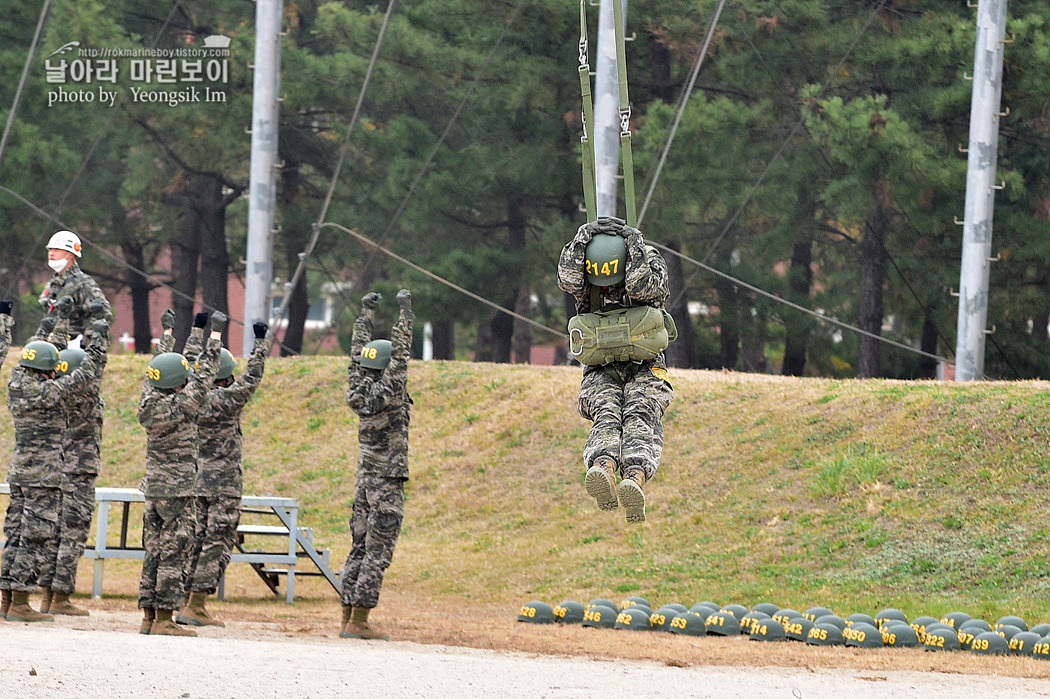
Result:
pixel 6 321
pixel 624 400
pixel 219 476
pixel 381 401
pixel 72 281
pixel 36 473
pixel 170 420
pixel 82 441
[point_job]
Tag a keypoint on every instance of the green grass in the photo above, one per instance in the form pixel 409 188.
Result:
pixel 855 495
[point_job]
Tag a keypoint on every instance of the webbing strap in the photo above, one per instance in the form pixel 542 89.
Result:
pixel 589 187
pixel 625 116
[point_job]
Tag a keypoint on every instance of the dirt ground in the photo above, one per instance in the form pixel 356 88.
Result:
pixel 272 649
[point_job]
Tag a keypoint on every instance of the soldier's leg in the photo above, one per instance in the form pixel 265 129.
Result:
pixel 358 533
pixel 200 536
pixel 12 530
pixel 37 533
pixel 216 532
pixel 48 558
pixel 646 398
pixel 174 544
pixel 386 512
pixel 601 401
pixel 78 504
pixel 151 523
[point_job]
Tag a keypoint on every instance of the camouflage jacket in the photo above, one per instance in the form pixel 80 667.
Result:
pixel 6 322
pixel 219 423
pixel 35 402
pixel 76 283
pixel 381 400
pixel 645 281
pixel 170 420
pixel 83 436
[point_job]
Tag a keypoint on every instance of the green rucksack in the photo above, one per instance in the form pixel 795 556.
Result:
pixel 633 334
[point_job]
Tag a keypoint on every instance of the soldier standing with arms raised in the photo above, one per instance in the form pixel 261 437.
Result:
pixel 171 398
pixel 378 393
pixel 220 479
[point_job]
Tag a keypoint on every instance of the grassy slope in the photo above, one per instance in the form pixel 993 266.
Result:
pixel 849 494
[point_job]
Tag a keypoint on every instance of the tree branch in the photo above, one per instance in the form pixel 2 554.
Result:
pixel 218 176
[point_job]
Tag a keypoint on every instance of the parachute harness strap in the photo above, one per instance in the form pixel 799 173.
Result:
pixel 589 186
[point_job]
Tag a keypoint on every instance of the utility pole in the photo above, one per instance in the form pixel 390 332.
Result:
pixel 258 275
pixel 980 189
pixel 606 125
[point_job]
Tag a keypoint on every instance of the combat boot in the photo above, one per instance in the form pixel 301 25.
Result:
pixel 164 626
pixel 195 614
pixel 45 601
pixel 347 610
pixel 60 604
pixel 21 611
pixel 631 496
pixel 5 603
pixel 601 482
pixel 148 616
pixel 358 626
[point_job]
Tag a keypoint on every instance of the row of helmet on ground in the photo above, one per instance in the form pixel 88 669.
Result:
pixel 1009 635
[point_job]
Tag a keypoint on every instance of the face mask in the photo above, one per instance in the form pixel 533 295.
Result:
pixel 57 265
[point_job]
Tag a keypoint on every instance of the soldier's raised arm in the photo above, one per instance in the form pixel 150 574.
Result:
pixel 166 343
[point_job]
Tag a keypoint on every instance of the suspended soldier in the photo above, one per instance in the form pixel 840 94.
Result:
pixel 619 334
pixel 34 397
pixel 220 480
pixel 378 393
pixel 171 398
pixel 63 251
pixel 82 442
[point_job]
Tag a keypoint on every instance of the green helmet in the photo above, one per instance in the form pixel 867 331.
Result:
pixel 766 608
pixel 814 613
pixel 705 608
pixel 1023 643
pixel 634 619
pixel 737 610
pixel 898 634
pixel 863 635
pixel 750 618
pixel 767 630
pixel 861 618
pixel 797 628
pixel 69 360
pixel 39 355
pixel 955 619
pixel 631 601
pixel 1041 650
pixel 677 606
pixel 825 635
pixel 600 616
pixel 536 612
pixel 168 370
pixel 783 615
pixel 376 354
pixel 889 615
pixel 569 612
pixel 975 626
pixel 722 623
pixel 1042 629
pixel 688 624
pixel 990 643
pixel 941 637
pixel 833 619
pixel 660 620
pixel 602 601
pixel 605 260
pixel 1012 621
pixel 226 365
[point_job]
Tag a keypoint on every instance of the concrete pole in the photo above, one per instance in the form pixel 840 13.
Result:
pixel 606 125
pixel 980 192
pixel 258 275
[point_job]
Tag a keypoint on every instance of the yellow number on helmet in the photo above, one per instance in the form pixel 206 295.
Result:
pixel 29 354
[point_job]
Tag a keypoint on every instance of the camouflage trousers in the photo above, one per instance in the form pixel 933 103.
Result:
pixel 167 536
pixel 626 403
pixel 379 508
pixel 31 528
pixel 216 533
pixel 74 522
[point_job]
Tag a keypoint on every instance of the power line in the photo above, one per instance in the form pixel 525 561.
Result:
pixel 22 81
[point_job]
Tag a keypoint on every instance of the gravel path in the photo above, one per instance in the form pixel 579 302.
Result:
pixel 70 660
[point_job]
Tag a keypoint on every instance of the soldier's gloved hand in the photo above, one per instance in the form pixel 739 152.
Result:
pixel 218 322
pixel 200 319
pixel 584 234
pixel 47 324
pixel 167 319
pixel 96 309
pixel 6 307
pixel 404 300
pixel 371 300
pixel 627 233
pixel 64 307
pixel 260 329
pixel 100 333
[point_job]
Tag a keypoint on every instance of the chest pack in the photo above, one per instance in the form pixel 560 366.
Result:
pixel 634 334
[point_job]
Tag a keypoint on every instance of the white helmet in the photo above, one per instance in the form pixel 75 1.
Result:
pixel 65 240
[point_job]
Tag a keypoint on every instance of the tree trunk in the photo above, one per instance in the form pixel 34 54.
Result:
pixel 295 236
pixel 797 324
pixel 928 365
pixel 753 336
pixel 872 276
pixel 728 319
pixel 298 308
pixel 522 330
pixel 139 288
pixel 444 339
pixel 185 254
pixel 215 258
pixel 683 352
